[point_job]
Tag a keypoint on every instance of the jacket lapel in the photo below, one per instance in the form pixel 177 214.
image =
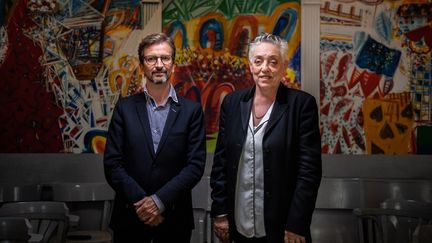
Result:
pixel 245 109
pixel 141 107
pixel 172 116
pixel 279 108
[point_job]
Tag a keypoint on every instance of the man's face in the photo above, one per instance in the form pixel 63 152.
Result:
pixel 267 65
pixel 158 63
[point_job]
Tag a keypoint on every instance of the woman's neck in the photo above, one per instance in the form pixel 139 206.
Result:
pixel 264 96
pixel 261 103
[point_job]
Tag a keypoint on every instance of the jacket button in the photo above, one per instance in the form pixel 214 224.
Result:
pixel 267 194
pixel 153 165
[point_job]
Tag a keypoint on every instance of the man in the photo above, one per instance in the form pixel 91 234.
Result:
pixel 267 164
pixel 155 154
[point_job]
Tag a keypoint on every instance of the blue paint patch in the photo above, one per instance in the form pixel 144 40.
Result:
pixel 378 58
pixel 178 26
pixel 286 24
pixel 214 27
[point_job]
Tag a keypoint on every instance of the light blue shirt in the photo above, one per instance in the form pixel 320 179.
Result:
pixel 157 116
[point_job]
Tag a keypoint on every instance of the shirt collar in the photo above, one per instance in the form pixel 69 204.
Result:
pixel 171 96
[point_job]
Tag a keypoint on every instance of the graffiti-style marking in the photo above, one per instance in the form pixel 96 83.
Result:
pixel 388 124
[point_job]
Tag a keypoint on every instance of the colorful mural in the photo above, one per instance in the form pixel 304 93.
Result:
pixel 212 39
pixel 63 69
pixel 375 78
pixel 65 63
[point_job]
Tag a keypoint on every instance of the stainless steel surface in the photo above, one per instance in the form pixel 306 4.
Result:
pixel 334 226
pixel 340 193
pixel 348 193
pixel 377 166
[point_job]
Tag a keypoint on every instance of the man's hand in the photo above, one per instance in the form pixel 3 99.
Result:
pixel 290 237
pixel 221 228
pixel 148 212
pixel 156 221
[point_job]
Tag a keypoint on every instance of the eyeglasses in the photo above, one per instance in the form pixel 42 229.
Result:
pixel 152 60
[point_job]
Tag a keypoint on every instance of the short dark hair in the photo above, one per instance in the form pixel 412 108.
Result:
pixel 154 39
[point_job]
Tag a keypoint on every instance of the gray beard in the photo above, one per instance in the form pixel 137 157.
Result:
pixel 159 81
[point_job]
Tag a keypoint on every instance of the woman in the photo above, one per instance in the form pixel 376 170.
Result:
pixel 267 164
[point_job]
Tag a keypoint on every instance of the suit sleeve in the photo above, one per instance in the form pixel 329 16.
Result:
pixel 114 160
pixel 309 169
pixel 218 176
pixel 191 174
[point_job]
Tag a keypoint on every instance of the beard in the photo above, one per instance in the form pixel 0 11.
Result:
pixel 158 80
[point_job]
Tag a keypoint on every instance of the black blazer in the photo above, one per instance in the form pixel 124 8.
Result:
pixel 292 160
pixel 134 170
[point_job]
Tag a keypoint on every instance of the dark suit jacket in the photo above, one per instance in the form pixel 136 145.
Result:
pixel 292 160
pixel 134 170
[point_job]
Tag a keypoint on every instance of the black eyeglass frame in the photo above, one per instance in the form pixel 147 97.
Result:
pixel 153 62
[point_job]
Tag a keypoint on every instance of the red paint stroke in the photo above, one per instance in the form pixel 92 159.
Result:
pixel 322 91
pixel 341 104
pixel 334 125
pixel 369 81
pixel 244 29
pixel 338 91
pixel 347 114
pixel 329 62
pixel 337 149
pixel 346 137
pixel 343 67
pixel 325 149
pixel 424 33
pixel 325 109
pixel 355 78
pixel 360 118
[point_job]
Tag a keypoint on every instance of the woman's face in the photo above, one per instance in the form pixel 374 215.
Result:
pixel 267 65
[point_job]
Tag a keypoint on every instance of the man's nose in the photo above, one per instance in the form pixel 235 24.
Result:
pixel 159 62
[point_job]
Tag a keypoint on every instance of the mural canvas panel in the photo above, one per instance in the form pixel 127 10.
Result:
pixel 212 40
pixel 65 63
pixel 375 75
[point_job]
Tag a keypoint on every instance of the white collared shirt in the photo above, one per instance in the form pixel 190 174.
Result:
pixel 249 196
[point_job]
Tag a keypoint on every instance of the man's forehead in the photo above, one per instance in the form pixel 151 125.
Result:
pixel 159 46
